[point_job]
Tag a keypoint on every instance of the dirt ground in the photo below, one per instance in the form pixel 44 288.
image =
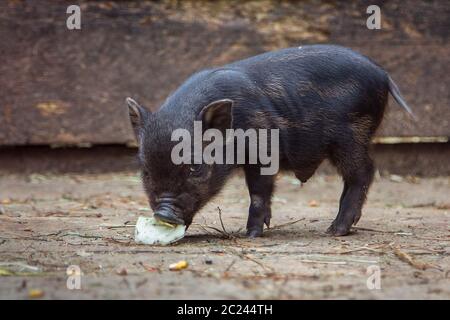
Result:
pixel 50 222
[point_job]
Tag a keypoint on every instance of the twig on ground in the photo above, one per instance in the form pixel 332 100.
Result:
pixel 57 233
pixel 437 251
pixel 247 257
pixel 421 205
pixel 112 239
pixel 322 261
pixel 118 226
pixel 405 257
pixel 230 266
pixel 356 250
pixel 432 238
pixel 20 266
pixel 149 268
pixel 24 238
pixel 400 233
pixel 221 221
pixel 204 227
pixel 76 234
pixel 279 226
pixel 375 230
pixel 223 232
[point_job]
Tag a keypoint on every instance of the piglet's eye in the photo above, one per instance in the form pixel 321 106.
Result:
pixel 195 169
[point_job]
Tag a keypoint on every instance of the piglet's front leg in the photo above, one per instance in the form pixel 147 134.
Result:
pixel 260 188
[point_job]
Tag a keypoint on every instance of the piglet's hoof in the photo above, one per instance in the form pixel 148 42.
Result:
pixel 338 230
pixel 254 233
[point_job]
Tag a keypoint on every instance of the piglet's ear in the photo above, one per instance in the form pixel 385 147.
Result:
pixel 217 114
pixel 137 115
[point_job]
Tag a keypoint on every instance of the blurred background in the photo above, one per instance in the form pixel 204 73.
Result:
pixel 62 91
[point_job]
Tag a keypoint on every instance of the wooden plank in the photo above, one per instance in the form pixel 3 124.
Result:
pixel 68 87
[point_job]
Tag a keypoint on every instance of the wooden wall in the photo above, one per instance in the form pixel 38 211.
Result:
pixel 62 87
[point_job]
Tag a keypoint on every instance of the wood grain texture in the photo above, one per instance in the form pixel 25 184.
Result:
pixel 68 87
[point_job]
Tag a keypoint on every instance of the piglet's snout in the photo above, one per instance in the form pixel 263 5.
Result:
pixel 167 210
